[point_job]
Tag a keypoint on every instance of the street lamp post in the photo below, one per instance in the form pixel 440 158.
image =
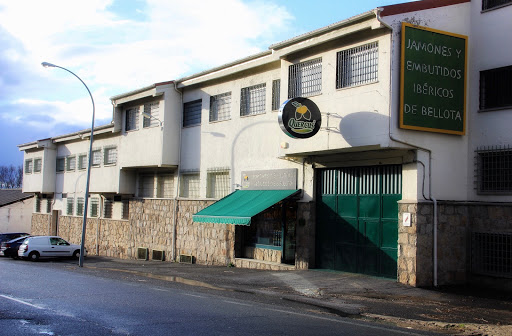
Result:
pixel 84 224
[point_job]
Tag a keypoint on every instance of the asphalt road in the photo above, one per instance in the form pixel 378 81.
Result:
pixel 58 298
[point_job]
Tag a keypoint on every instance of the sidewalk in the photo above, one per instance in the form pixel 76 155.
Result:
pixel 461 311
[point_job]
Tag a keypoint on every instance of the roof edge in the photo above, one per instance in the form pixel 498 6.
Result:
pixel 417 6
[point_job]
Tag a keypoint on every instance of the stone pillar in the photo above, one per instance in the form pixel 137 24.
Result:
pixel 305 236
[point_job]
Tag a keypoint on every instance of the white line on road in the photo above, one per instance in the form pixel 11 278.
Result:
pixel 238 303
pixel 21 301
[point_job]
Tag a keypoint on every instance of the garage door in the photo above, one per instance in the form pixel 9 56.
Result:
pixel 357 219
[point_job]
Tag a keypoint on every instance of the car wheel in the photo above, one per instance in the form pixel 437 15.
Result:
pixel 76 254
pixel 33 256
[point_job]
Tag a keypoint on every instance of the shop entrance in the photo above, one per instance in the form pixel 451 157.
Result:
pixel 357 219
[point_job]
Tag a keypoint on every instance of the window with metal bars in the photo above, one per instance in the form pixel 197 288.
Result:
pixel 95 207
pixel 71 163
pixel 496 88
pixel 192 113
pixel 494 170
pixel 490 4
pixel 305 78
pixel 49 202
pixel 165 186
pixel 69 206
pixel 491 254
pixel 357 65
pixel 126 209
pixel 29 165
pixel 220 107
pixel 153 110
pixel 189 185
pixel 96 157
pixel 276 93
pixel 218 184
pixel 82 161
pixel 61 163
pixel 252 100
pixel 110 155
pixel 132 119
pixel 38 165
pixel 108 205
pixel 80 206
pixel 37 202
pixel 147 186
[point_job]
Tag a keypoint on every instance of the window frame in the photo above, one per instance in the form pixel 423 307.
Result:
pixel 106 151
pixel 488 6
pixel 99 157
pixel 493 91
pixel 94 207
pixel 153 112
pixel 80 157
pixel 70 159
pixel 80 203
pixel 70 206
pixel 220 107
pixel 38 165
pixel 185 179
pixel 189 109
pixel 276 94
pixel 131 121
pixel 216 188
pixel 493 166
pixel 253 100
pixel 60 168
pixel 29 166
pixel 297 87
pixel 357 66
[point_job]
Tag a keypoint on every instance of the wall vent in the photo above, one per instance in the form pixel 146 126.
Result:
pixel 157 255
pixel 186 259
pixel 142 253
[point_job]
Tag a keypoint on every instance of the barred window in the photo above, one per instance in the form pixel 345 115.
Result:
pixel 80 206
pixel 489 4
pixel 71 163
pixel 49 201
pixel 494 170
pixel 147 186
pixel 61 162
pixel 110 155
pixel 108 205
pixel 132 119
pixel 189 186
pixel 496 88
pixel 37 205
pixel 38 165
pixel 126 209
pixel 305 78
pixel 96 158
pixel 220 107
pixel 357 66
pixel 82 161
pixel 95 207
pixel 252 100
pixel 153 110
pixel 69 206
pixel 218 184
pixel 29 164
pixel 192 113
pixel 276 93
pixel 165 186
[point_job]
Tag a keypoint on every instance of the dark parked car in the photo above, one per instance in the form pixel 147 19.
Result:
pixel 12 235
pixel 10 248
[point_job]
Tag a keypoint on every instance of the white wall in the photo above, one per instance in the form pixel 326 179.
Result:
pixel 17 217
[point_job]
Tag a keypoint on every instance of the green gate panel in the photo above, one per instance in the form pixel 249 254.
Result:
pixel 390 206
pixel 369 206
pixel 370 232
pixel 347 206
pixel 389 233
pixel 346 257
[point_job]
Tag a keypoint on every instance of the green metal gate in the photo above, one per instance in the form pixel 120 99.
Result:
pixel 357 219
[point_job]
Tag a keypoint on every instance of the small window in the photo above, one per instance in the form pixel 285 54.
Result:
pixel 494 170
pixel 192 113
pixel 146 186
pixel 82 161
pixel 95 207
pixel 80 206
pixel 61 163
pixel 496 88
pixel 126 209
pixel 132 119
pixel 110 155
pixel 189 186
pixel 71 163
pixel 305 79
pixel 252 100
pixel 220 107
pixel 357 66
pixel 69 206
pixel 153 110
pixel 96 158
pixel 29 165
pixel 165 186
pixel 276 93
pixel 38 163
pixel 37 201
pixel 49 202
pixel 490 4
pixel 108 206
pixel 218 184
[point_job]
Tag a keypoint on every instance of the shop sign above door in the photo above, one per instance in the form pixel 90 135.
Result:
pixel 299 118
pixel 275 179
pixel 433 80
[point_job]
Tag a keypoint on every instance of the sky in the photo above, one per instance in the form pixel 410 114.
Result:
pixel 116 46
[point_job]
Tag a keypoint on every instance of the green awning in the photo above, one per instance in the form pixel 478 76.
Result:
pixel 239 206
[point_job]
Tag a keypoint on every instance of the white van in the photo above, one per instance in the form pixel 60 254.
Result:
pixel 37 247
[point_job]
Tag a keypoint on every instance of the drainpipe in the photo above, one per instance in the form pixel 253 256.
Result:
pixel 175 215
pixel 432 198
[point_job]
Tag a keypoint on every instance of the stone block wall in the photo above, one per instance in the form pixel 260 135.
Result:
pixel 305 236
pixel 263 254
pixel 40 224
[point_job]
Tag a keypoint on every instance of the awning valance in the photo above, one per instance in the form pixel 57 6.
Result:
pixel 239 206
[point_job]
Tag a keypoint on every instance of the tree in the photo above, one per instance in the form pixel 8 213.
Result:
pixel 11 176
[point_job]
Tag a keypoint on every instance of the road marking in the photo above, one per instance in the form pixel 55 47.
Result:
pixel 198 296
pixel 238 303
pixel 21 301
pixel 348 322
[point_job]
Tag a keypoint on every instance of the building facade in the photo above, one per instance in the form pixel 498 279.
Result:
pixel 386 165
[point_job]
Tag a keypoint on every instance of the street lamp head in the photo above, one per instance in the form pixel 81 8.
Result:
pixel 48 65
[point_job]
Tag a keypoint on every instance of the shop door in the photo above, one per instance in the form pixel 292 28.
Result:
pixel 357 219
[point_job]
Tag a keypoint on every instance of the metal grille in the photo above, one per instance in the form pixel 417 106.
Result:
pixel 49 201
pixel 71 163
pixel 189 185
pixel 491 254
pixel 252 100
pixel 37 202
pixel 494 170
pixel 165 186
pixel 357 66
pixel 96 157
pixel 110 155
pixel 392 180
pixel 28 166
pixel 305 79
pixel 146 185
pixel 37 165
pixel 60 164
pixel 126 209
pixel 496 88
pixel 108 206
pixel 192 113
pixel 220 107
pixel 95 206
pixel 276 94
pixel 69 206
pixel 82 161
pixel 79 206
pixel 218 184
pixel 132 118
pixel 488 4
pixel 152 109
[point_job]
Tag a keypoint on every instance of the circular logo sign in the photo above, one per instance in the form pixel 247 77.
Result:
pixel 299 118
